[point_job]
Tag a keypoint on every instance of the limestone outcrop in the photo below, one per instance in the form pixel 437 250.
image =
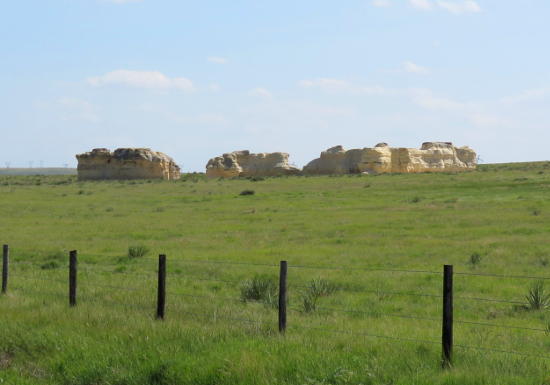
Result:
pixel 431 157
pixel 126 163
pixel 243 163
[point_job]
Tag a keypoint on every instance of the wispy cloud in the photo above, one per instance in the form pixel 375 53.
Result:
pixel 454 6
pixel 480 114
pixel 527 96
pixel 468 6
pixel 260 93
pixel 122 1
pixel 414 68
pixel 425 5
pixel 217 59
pixel 337 85
pixel 141 79
pixel 327 83
pixel 381 3
pixel 77 109
pixel 214 87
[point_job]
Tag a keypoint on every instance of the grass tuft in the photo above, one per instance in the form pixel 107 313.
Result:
pixel 138 251
pixel 261 288
pixel 538 298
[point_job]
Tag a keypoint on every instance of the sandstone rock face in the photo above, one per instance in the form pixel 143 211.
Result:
pixel 243 163
pixel 431 157
pixel 126 163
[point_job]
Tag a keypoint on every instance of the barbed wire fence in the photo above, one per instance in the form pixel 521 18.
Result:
pixel 159 279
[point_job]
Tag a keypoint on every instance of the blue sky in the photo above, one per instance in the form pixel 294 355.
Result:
pixel 197 79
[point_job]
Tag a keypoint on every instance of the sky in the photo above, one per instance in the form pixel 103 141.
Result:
pixel 196 79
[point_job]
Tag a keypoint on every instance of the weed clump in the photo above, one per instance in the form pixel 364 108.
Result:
pixel 475 259
pixel 260 288
pixel 50 265
pixel 316 289
pixel 138 251
pixel 256 178
pixel 538 298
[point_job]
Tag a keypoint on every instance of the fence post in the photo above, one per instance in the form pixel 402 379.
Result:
pixel 161 293
pixel 5 266
pixel 72 277
pixel 447 332
pixel 282 297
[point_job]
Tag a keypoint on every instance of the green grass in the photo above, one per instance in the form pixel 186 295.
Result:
pixel 500 213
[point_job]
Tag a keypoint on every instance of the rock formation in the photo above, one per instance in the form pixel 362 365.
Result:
pixel 126 163
pixel 431 157
pixel 243 163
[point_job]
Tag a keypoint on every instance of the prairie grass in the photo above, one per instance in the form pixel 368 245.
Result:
pixel 212 336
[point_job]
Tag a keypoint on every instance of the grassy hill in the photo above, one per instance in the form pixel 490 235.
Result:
pixel 365 255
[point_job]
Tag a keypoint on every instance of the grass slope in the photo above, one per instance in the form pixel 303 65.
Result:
pixel 418 222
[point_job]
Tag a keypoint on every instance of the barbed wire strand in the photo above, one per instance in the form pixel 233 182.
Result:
pixel 491 300
pixel 502 276
pixel 501 351
pixel 366 334
pixel 393 315
pixel 422 341
pixel 388 270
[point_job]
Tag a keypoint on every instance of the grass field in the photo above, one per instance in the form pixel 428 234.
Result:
pixel 37 171
pixel 495 220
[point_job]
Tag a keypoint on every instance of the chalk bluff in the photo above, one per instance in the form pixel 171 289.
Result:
pixel 126 163
pixel 431 157
pixel 243 163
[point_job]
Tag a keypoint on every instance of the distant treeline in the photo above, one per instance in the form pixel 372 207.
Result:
pixel 38 171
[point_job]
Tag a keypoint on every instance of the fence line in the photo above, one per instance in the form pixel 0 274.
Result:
pixel 447 297
pixel 317 267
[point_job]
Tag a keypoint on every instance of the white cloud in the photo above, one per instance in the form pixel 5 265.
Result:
pixel 381 3
pixel 261 93
pixel 141 79
pixel 217 60
pixel 467 6
pixel 421 4
pixel 413 68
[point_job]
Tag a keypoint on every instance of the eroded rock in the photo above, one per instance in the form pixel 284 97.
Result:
pixel 243 163
pixel 431 157
pixel 126 163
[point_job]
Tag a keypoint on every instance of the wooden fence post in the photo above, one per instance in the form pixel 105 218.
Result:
pixel 72 277
pixel 161 293
pixel 5 266
pixel 282 296
pixel 447 332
